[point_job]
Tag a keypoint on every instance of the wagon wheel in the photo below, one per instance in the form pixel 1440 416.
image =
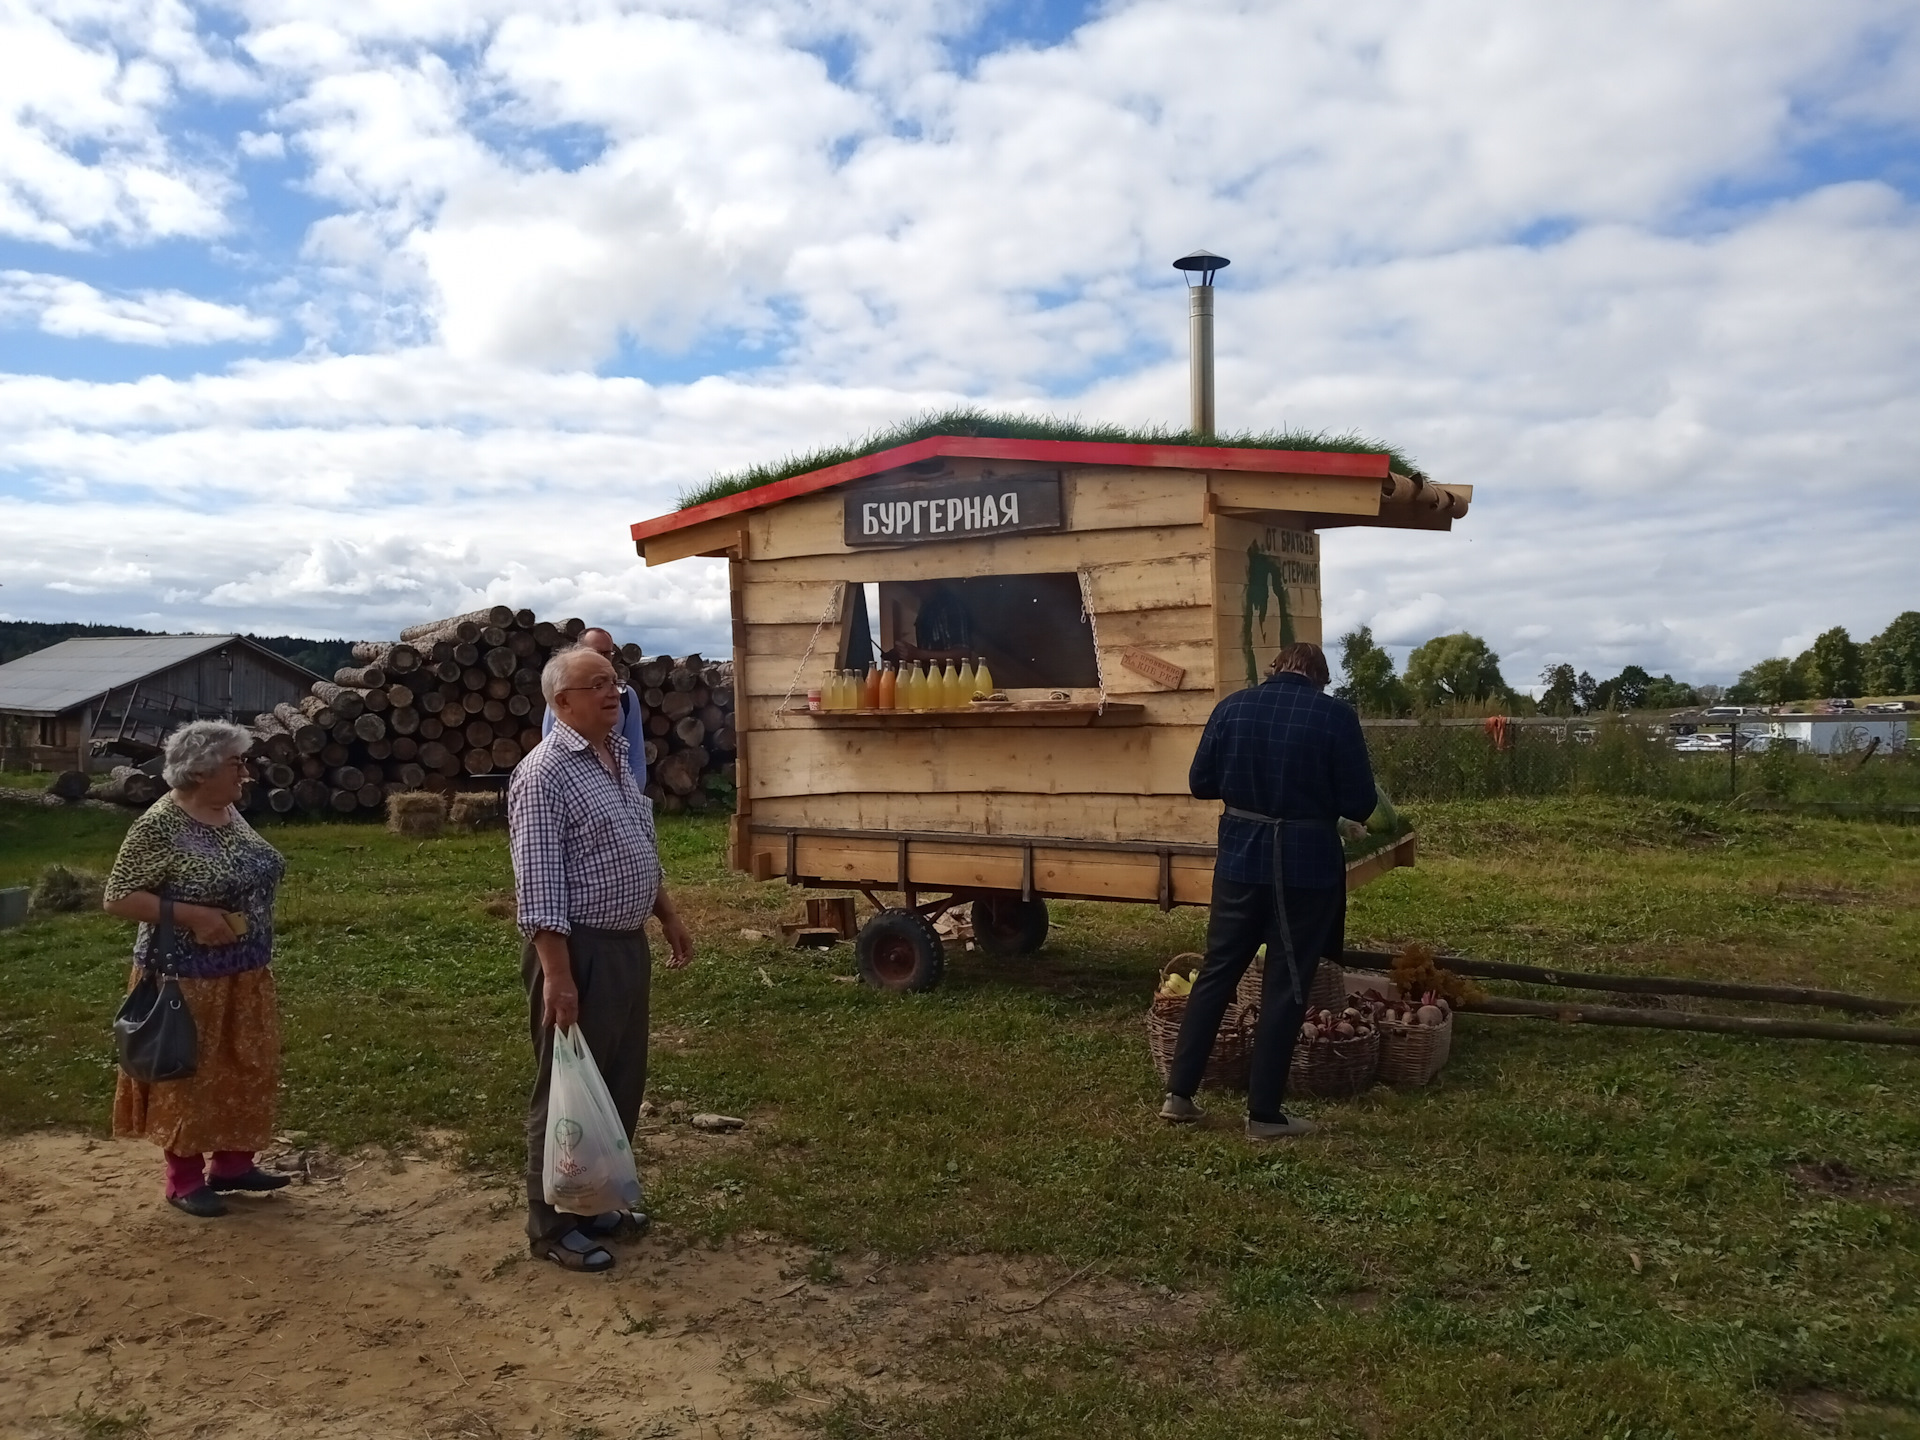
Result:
pixel 900 951
pixel 1008 925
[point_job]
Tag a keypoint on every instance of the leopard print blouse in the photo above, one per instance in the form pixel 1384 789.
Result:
pixel 169 852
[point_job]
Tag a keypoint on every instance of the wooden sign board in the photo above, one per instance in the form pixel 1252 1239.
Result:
pixel 1146 663
pixel 916 512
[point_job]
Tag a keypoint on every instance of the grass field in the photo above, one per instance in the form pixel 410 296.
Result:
pixel 1574 1233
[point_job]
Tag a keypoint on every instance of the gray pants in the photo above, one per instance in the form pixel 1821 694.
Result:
pixel 611 970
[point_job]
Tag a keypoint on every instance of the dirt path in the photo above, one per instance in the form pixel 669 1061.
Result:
pixel 395 1297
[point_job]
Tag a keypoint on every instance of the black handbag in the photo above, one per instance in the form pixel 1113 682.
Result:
pixel 154 1030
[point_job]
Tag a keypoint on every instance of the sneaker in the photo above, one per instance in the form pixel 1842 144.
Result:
pixel 1287 1127
pixel 1179 1110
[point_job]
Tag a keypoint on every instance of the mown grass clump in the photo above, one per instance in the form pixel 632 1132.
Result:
pixel 1574 1232
pixel 1005 425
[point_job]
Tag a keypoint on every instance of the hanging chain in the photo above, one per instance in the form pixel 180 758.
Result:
pixel 834 598
pixel 1093 627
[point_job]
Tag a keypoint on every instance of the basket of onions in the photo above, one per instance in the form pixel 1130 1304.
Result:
pixel 1337 1054
pixel 1416 1037
pixel 1228 1063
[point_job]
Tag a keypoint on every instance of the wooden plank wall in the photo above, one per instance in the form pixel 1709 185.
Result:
pixel 1143 537
pixel 1165 572
pixel 1288 547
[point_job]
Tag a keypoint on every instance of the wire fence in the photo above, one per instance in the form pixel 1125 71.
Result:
pixel 1468 760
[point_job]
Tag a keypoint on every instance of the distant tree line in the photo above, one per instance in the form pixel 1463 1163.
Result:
pixel 1836 667
pixel 1460 672
pixel 23 637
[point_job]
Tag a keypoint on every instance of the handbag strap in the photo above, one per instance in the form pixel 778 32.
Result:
pixel 160 954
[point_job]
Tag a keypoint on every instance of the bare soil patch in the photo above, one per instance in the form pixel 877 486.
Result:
pixel 387 1296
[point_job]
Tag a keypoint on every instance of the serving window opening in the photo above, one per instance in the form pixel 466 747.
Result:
pixel 1030 629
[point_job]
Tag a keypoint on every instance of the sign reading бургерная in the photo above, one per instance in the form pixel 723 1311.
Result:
pixel 973 509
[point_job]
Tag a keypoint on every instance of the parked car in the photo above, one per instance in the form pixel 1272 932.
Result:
pixel 1700 745
pixel 1722 712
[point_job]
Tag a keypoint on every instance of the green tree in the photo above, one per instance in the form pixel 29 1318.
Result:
pixel 1770 682
pixel 1667 693
pixel 1626 691
pixel 1455 670
pixel 1371 686
pixel 1832 666
pixel 1560 697
pixel 1891 659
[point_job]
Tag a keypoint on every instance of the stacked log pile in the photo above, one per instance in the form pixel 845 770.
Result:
pixel 455 704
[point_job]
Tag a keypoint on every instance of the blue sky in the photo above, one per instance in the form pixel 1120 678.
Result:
pixel 327 318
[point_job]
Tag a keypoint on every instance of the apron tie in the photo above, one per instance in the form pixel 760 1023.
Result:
pixel 1276 824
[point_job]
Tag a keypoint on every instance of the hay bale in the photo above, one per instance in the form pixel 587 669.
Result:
pixel 475 810
pixel 416 814
pixel 62 889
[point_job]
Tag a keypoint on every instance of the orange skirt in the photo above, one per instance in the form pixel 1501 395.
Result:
pixel 228 1102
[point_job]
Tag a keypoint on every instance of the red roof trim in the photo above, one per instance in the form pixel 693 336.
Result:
pixel 1056 452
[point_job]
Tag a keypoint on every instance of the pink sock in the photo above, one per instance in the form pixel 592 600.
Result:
pixel 184 1174
pixel 227 1164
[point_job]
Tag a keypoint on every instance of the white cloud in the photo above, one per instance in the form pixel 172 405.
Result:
pixel 82 150
pixel 1576 256
pixel 75 310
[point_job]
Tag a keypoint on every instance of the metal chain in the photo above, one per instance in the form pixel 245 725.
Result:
pixel 834 598
pixel 1093 628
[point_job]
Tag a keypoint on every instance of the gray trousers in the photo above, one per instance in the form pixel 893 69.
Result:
pixel 612 970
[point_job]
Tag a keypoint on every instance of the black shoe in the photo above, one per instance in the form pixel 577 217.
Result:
pixel 255 1180
pixel 202 1203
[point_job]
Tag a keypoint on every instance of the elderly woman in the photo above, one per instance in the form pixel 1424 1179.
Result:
pixel 192 847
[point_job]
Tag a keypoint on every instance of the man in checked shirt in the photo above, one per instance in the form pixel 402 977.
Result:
pixel 1288 761
pixel 587 876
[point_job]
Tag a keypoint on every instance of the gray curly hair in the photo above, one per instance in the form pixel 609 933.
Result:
pixel 197 749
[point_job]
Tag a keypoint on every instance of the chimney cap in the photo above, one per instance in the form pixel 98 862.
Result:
pixel 1205 261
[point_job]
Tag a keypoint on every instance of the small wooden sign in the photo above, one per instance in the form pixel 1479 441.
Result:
pixel 916 512
pixel 1161 672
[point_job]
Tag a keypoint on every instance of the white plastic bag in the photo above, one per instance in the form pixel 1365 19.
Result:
pixel 589 1164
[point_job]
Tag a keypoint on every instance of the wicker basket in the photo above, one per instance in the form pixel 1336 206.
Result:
pixel 1414 1054
pixel 1327 992
pixel 1334 1069
pixel 1232 1046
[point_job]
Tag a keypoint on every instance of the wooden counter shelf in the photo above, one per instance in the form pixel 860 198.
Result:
pixel 1014 713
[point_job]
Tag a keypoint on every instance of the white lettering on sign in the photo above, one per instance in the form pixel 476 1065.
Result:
pixel 950 508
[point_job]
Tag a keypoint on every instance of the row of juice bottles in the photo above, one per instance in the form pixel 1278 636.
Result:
pixel 887 687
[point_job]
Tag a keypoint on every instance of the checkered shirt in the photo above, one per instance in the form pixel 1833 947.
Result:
pixel 582 839
pixel 1284 749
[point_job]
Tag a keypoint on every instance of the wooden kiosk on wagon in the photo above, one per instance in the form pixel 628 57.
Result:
pixel 1117 592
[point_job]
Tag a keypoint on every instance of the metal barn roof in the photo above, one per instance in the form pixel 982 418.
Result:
pixel 56 679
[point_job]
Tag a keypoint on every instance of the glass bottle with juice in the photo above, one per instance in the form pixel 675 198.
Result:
pixel 983 678
pixel 870 689
pixel 967 685
pixel 889 688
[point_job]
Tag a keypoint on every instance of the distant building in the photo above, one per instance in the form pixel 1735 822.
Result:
pixel 85 699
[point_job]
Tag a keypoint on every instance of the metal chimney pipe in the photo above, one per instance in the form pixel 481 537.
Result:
pixel 1200 358
pixel 1203 264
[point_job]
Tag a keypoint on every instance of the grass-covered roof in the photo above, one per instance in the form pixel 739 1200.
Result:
pixel 969 421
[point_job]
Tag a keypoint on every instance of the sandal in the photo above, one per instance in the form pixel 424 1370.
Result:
pixel 616 1225
pixel 573 1251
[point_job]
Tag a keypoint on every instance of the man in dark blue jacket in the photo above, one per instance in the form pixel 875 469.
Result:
pixel 1289 761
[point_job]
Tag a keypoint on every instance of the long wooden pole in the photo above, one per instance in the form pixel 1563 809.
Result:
pixel 1660 1019
pixel 1648 984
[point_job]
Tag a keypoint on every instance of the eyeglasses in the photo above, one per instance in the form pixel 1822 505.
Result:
pixel 598 687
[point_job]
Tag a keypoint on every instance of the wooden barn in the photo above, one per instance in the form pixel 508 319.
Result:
pixel 1116 591
pixel 69 704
